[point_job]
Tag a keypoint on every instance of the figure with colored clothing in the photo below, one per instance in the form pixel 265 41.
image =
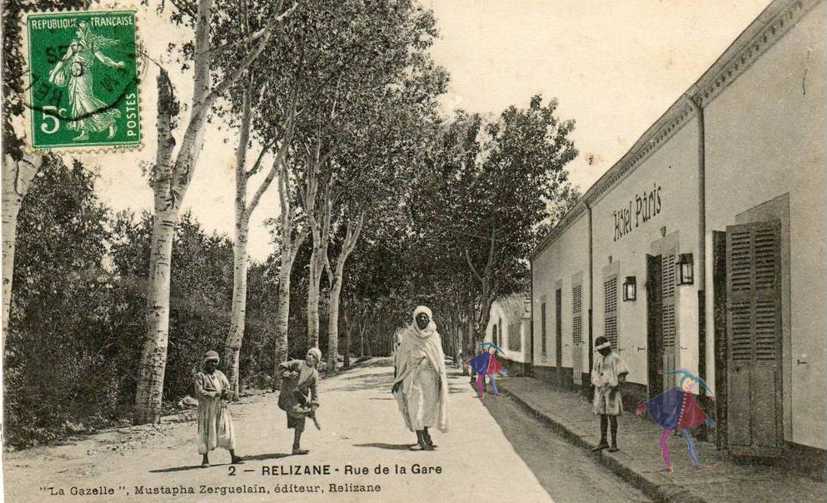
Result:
pixel 215 426
pixel 486 364
pixel 677 409
pixel 608 373
pixel 299 394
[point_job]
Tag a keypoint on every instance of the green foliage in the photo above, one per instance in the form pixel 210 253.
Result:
pixel 60 346
pixel 79 307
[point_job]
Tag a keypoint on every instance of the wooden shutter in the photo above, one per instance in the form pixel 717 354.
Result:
pixel 754 337
pixel 543 341
pixel 669 325
pixel 610 310
pixel 577 314
pixel 558 332
pixel 514 343
pixel 577 333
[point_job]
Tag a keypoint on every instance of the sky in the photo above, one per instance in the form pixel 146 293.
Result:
pixel 614 66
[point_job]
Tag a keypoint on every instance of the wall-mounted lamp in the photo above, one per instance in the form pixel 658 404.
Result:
pixel 685 269
pixel 629 288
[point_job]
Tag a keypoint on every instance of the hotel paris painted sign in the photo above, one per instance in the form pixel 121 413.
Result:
pixel 644 207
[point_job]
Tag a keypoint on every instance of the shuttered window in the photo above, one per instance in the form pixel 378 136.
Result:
pixel 514 342
pixel 577 314
pixel 669 330
pixel 543 338
pixel 610 310
pixel 754 265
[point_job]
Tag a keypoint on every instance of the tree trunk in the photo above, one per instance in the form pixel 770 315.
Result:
pixel 170 184
pixel 314 285
pixel 348 330
pixel 361 339
pixel 232 346
pixel 17 178
pixel 150 389
pixel 333 326
pixel 354 229
pixel 283 319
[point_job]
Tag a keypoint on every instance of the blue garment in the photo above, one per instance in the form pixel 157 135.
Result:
pixel 690 442
pixel 480 363
pixel 665 408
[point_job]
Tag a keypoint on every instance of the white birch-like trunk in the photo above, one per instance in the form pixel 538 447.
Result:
pixel 232 346
pixel 150 390
pixel 313 289
pixel 170 186
pixel 288 257
pixel 351 239
pixel 282 321
pixel 17 178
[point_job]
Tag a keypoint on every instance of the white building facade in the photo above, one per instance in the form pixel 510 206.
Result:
pixel 703 247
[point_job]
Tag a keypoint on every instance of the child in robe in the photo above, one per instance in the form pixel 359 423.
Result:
pixel 608 373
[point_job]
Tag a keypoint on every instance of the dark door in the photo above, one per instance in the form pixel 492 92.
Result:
pixel 754 401
pixel 654 324
pixel 720 319
pixel 558 333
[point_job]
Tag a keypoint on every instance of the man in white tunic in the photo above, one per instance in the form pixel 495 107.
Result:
pixel 421 384
pixel 215 426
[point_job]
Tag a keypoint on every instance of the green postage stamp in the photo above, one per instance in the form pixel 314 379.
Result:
pixel 83 80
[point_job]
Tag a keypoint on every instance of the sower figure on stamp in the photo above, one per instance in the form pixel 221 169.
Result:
pixel 215 426
pixel 75 71
pixel 608 373
pixel 421 384
pixel 299 395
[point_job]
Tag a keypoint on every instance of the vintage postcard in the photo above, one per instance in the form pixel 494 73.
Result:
pixel 414 250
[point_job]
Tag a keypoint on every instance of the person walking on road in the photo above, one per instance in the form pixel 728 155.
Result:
pixel 608 373
pixel 215 426
pixel 678 409
pixel 299 394
pixel 420 385
pixel 486 364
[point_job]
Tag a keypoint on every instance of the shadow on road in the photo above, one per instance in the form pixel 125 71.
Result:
pixel 392 447
pixel 264 457
pixel 183 468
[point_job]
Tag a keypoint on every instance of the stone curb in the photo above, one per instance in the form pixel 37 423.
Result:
pixel 658 491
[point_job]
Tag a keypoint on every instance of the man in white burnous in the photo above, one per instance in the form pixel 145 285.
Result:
pixel 75 71
pixel 421 384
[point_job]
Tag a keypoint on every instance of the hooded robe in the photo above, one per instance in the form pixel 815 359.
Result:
pixel 420 370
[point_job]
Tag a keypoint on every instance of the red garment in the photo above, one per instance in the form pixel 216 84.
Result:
pixel 494 367
pixel 691 415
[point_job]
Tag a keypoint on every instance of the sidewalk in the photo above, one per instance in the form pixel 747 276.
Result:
pixel 639 460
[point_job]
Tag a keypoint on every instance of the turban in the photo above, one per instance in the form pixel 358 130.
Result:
pixel 316 352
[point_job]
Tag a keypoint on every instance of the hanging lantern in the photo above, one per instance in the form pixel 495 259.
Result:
pixel 629 288
pixel 686 274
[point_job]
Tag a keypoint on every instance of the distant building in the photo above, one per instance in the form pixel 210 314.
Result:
pixel 509 327
pixel 703 247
